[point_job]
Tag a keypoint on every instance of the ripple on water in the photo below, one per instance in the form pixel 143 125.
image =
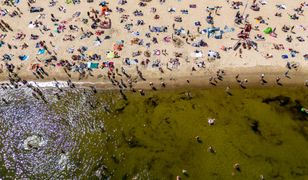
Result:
pixel 26 117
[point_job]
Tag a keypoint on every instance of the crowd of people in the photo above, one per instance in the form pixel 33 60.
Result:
pixel 125 43
pixel 122 43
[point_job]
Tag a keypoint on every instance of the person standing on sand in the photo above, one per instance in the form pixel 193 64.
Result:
pixel 286 74
pixel 262 80
pixel 237 78
pixel 278 80
pixel 163 84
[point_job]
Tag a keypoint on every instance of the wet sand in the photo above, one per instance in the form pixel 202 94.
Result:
pixel 297 78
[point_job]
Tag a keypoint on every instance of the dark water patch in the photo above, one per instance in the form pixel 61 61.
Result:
pixel 186 95
pixel 254 125
pixel 282 100
pixel 115 159
pixel 241 151
pixel 303 130
pixel 132 141
pixel 297 113
pixel 287 105
pixel 152 102
pixel 277 176
pixel 299 171
pixel 121 105
pixel 167 120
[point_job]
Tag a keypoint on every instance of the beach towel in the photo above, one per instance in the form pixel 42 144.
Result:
pixel 92 65
pixel 227 29
pixel 197 54
pixel 110 55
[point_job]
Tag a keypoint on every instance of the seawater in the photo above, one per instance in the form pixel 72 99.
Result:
pixel 106 136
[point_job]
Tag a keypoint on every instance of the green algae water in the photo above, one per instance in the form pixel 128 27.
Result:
pixel 107 136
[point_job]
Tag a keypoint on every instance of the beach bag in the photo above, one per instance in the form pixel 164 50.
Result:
pixel 285 56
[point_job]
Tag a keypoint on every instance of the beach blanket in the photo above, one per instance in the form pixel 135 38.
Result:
pixel 227 29
pixel 158 29
pixel 92 65
pixel 111 55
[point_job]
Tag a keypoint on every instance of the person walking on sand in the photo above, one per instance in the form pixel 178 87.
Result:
pixel 286 74
pixel 278 80
pixel 262 80
pixel 237 78
pixel 163 84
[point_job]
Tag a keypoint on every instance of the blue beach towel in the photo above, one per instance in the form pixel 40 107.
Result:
pixel 92 65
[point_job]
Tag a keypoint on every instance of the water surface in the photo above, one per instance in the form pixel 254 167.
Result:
pixel 103 136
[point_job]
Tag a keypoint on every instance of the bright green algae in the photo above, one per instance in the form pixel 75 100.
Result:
pixel 153 136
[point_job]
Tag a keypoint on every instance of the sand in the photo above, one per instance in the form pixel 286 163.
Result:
pixel 250 65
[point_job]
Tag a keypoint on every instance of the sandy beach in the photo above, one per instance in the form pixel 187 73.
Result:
pixel 153 89
pixel 169 41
